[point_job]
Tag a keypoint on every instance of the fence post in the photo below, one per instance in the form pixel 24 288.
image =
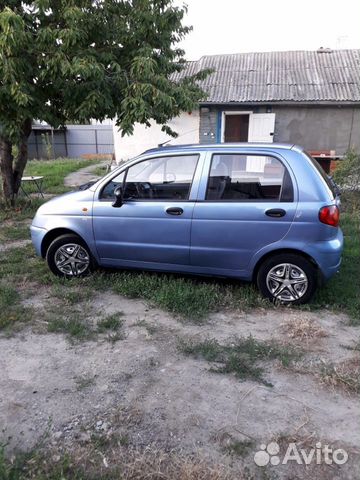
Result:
pixel 96 141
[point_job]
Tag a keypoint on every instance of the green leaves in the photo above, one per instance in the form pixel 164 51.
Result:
pixel 66 60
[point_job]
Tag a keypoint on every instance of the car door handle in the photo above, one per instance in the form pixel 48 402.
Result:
pixel 174 211
pixel 275 212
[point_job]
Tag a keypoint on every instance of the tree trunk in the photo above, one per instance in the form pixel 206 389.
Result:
pixel 6 161
pixel 12 171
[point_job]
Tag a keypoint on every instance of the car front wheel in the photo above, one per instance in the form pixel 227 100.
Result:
pixel 287 279
pixel 68 256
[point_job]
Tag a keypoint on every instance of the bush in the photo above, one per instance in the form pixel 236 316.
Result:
pixel 347 176
pixel 347 173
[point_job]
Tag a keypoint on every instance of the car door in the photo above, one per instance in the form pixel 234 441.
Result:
pixel 246 202
pixel 152 226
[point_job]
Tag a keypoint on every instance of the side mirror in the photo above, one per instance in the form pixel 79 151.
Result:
pixel 119 193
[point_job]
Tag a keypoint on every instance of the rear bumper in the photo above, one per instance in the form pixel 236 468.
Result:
pixel 37 235
pixel 328 255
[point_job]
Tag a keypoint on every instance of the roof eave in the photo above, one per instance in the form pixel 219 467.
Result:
pixel 284 103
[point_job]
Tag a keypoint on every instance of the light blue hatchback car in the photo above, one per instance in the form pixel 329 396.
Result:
pixel 258 212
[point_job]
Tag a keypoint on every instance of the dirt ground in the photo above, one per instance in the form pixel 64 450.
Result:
pixel 144 390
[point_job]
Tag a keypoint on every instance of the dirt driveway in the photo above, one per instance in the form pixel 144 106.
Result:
pixel 144 390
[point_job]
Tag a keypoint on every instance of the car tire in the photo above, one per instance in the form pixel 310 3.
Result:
pixel 69 256
pixel 287 278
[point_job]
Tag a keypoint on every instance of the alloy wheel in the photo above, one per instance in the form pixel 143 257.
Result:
pixel 287 282
pixel 72 259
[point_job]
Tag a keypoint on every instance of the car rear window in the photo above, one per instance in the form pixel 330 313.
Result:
pixel 330 184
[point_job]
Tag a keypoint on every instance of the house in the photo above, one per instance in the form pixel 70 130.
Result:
pixel 311 98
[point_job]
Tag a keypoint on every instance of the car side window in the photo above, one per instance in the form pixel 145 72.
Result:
pixel 160 178
pixel 247 178
pixel 107 192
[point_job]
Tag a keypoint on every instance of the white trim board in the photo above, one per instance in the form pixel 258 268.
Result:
pixel 231 112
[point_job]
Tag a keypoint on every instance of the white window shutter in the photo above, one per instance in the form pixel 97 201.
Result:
pixel 261 127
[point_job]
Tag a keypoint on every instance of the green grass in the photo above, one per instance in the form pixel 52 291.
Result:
pixel 8 296
pixel 24 209
pixel 11 310
pixel 14 232
pixel 55 171
pixel 239 448
pixel 22 263
pixel 112 325
pixel 68 291
pixel 111 322
pixel 241 356
pixel 191 298
pixel 74 326
pixel 100 171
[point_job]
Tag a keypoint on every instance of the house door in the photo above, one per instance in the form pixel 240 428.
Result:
pixel 236 128
pixel 261 127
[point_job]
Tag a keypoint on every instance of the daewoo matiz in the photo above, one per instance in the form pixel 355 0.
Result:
pixel 259 212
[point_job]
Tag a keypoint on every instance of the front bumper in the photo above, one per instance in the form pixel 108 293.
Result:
pixel 37 235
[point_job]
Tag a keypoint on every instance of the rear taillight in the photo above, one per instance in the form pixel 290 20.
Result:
pixel 329 215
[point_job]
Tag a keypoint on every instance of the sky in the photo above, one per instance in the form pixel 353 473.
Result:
pixel 234 26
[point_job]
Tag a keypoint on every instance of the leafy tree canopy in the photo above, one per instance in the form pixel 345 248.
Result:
pixel 66 60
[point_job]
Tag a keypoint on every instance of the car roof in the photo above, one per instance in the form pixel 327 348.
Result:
pixel 213 146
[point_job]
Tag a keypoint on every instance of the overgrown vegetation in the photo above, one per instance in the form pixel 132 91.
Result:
pixel 241 356
pixel 347 176
pixel 303 328
pixel 344 376
pixel 122 463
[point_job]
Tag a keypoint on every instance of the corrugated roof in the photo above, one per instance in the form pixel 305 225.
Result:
pixel 299 76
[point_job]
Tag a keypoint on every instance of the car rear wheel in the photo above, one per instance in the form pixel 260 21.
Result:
pixel 287 279
pixel 69 256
